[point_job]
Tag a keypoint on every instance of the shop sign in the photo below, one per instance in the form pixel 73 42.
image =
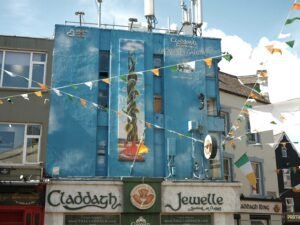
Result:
pixel 261 207
pixel 92 219
pixel 83 198
pixel 292 217
pixel 19 199
pixel 196 198
pixel 208 202
pixel 185 219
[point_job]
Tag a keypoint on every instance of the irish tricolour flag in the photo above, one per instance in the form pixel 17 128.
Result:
pixel 244 165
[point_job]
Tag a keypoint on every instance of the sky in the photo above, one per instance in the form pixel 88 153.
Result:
pixel 245 28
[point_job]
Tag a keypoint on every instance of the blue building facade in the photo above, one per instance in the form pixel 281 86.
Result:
pixel 133 103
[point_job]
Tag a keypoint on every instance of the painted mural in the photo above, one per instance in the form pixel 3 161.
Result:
pixel 131 145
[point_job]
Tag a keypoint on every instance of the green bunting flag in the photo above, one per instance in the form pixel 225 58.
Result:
pixel 173 68
pixel 273 122
pixel 71 97
pixel 289 21
pixel 9 100
pixel 74 86
pixel 257 88
pixel 290 43
pixel 228 57
pixel 123 78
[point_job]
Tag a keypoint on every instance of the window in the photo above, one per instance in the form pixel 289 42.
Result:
pixel 211 107
pixel 158 84
pixel 283 150
pixel 252 138
pixel 227 169
pixel 289 202
pixel 19 143
pixel 257 168
pixel 226 117
pixel 30 68
pixel 286 173
pixel 104 66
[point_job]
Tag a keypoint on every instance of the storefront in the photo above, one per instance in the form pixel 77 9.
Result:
pixel 199 203
pixel 22 203
pixel 259 212
pixel 83 203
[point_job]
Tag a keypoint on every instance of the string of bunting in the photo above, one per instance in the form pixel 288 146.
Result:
pixel 156 71
pixel 295 7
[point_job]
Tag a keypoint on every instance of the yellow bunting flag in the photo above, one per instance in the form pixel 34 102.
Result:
pixel 208 62
pixel 155 72
pixel 38 93
pixel 281 117
pixel 148 125
pixel 83 102
pixel 276 50
pixel 143 149
pixel 252 95
pixel 1 102
pixel 244 112
pixel 106 80
pixel 296 6
pixel 43 86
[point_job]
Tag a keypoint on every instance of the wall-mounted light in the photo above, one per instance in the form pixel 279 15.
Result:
pixel 201 98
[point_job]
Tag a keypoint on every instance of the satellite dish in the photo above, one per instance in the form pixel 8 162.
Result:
pixel 210 147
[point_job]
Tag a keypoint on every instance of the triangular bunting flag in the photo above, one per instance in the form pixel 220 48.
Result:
pixel 42 86
pixel 173 68
pixel 95 105
pixel 289 21
pixel 282 36
pixel 71 97
pixel 296 188
pixel 83 102
pixel 276 50
pixel 188 67
pixel 296 6
pixel 244 164
pixel 228 57
pixel 269 48
pixel 89 84
pixel 106 80
pixel 10 73
pixel 208 62
pixel 123 78
pixel 281 117
pixel 143 149
pixel 74 86
pixel 290 43
pixel 10 100
pixel 148 125
pixel 263 73
pixel 1 102
pixel 57 92
pixel 273 122
pixel 25 96
pixel 38 93
pixel 155 71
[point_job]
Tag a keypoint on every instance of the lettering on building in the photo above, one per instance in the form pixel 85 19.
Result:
pixel 209 202
pixel 82 200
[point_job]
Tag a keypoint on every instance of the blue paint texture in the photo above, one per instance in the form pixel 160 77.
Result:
pixel 83 141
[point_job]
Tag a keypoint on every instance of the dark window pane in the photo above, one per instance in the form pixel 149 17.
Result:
pixel 33 129
pixel 39 57
pixel 104 61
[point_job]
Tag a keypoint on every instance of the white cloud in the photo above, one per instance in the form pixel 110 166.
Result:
pixel 282 69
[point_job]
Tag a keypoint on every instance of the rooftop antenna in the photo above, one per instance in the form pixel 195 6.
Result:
pixel 80 14
pixel 197 17
pixel 99 12
pixel 149 14
pixel 186 17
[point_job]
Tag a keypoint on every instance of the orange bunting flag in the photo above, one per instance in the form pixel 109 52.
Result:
pixel 269 48
pixel 208 62
pixel 296 6
pixel 1 102
pixel 106 80
pixel 263 73
pixel 38 93
pixel 83 102
pixel 148 125
pixel 155 72
pixel 252 95
pixel 43 86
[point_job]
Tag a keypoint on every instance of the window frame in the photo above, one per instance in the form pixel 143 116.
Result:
pixel 259 178
pixel 230 168
pixel 287 178
pixel 25 141
pixel 252 138
pixel 226 116
pixel 31 64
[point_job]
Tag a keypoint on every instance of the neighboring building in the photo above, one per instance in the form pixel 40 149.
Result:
pixel 260 206
pixel 288 164
pixel 129 148
pixel 24 62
